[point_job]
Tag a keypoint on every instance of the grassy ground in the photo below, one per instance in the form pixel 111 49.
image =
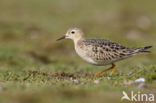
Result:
pixel 34 68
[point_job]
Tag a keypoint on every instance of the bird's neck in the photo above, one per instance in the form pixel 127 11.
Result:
pixel 78 41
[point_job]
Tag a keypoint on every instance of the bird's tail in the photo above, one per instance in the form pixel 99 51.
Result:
pixel 140 50
pixel 143 49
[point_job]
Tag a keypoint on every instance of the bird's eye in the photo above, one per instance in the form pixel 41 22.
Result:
pixel 73 32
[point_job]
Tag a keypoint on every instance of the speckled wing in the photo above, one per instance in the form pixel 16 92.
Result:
pixel 103 50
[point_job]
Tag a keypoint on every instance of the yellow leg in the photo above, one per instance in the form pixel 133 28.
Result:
pixel 114 67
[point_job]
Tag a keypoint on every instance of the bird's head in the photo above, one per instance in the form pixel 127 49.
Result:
pixel 74 34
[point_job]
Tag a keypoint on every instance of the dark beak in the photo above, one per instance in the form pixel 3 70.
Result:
pixel 61 38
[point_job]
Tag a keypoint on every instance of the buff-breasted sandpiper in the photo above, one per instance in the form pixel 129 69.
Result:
pixel 101 52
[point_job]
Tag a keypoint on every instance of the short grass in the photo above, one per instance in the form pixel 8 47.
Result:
pixel 34 68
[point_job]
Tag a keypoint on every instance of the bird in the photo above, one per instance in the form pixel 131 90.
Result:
pixel 101 52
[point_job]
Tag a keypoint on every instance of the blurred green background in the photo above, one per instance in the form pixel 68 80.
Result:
pixel 28 33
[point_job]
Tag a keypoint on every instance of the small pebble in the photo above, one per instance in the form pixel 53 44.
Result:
pixel 76 81
pixel 96 81
pixel 129 73
pixel 140 80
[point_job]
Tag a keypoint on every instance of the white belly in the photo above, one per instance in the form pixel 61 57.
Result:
pixel 85 57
